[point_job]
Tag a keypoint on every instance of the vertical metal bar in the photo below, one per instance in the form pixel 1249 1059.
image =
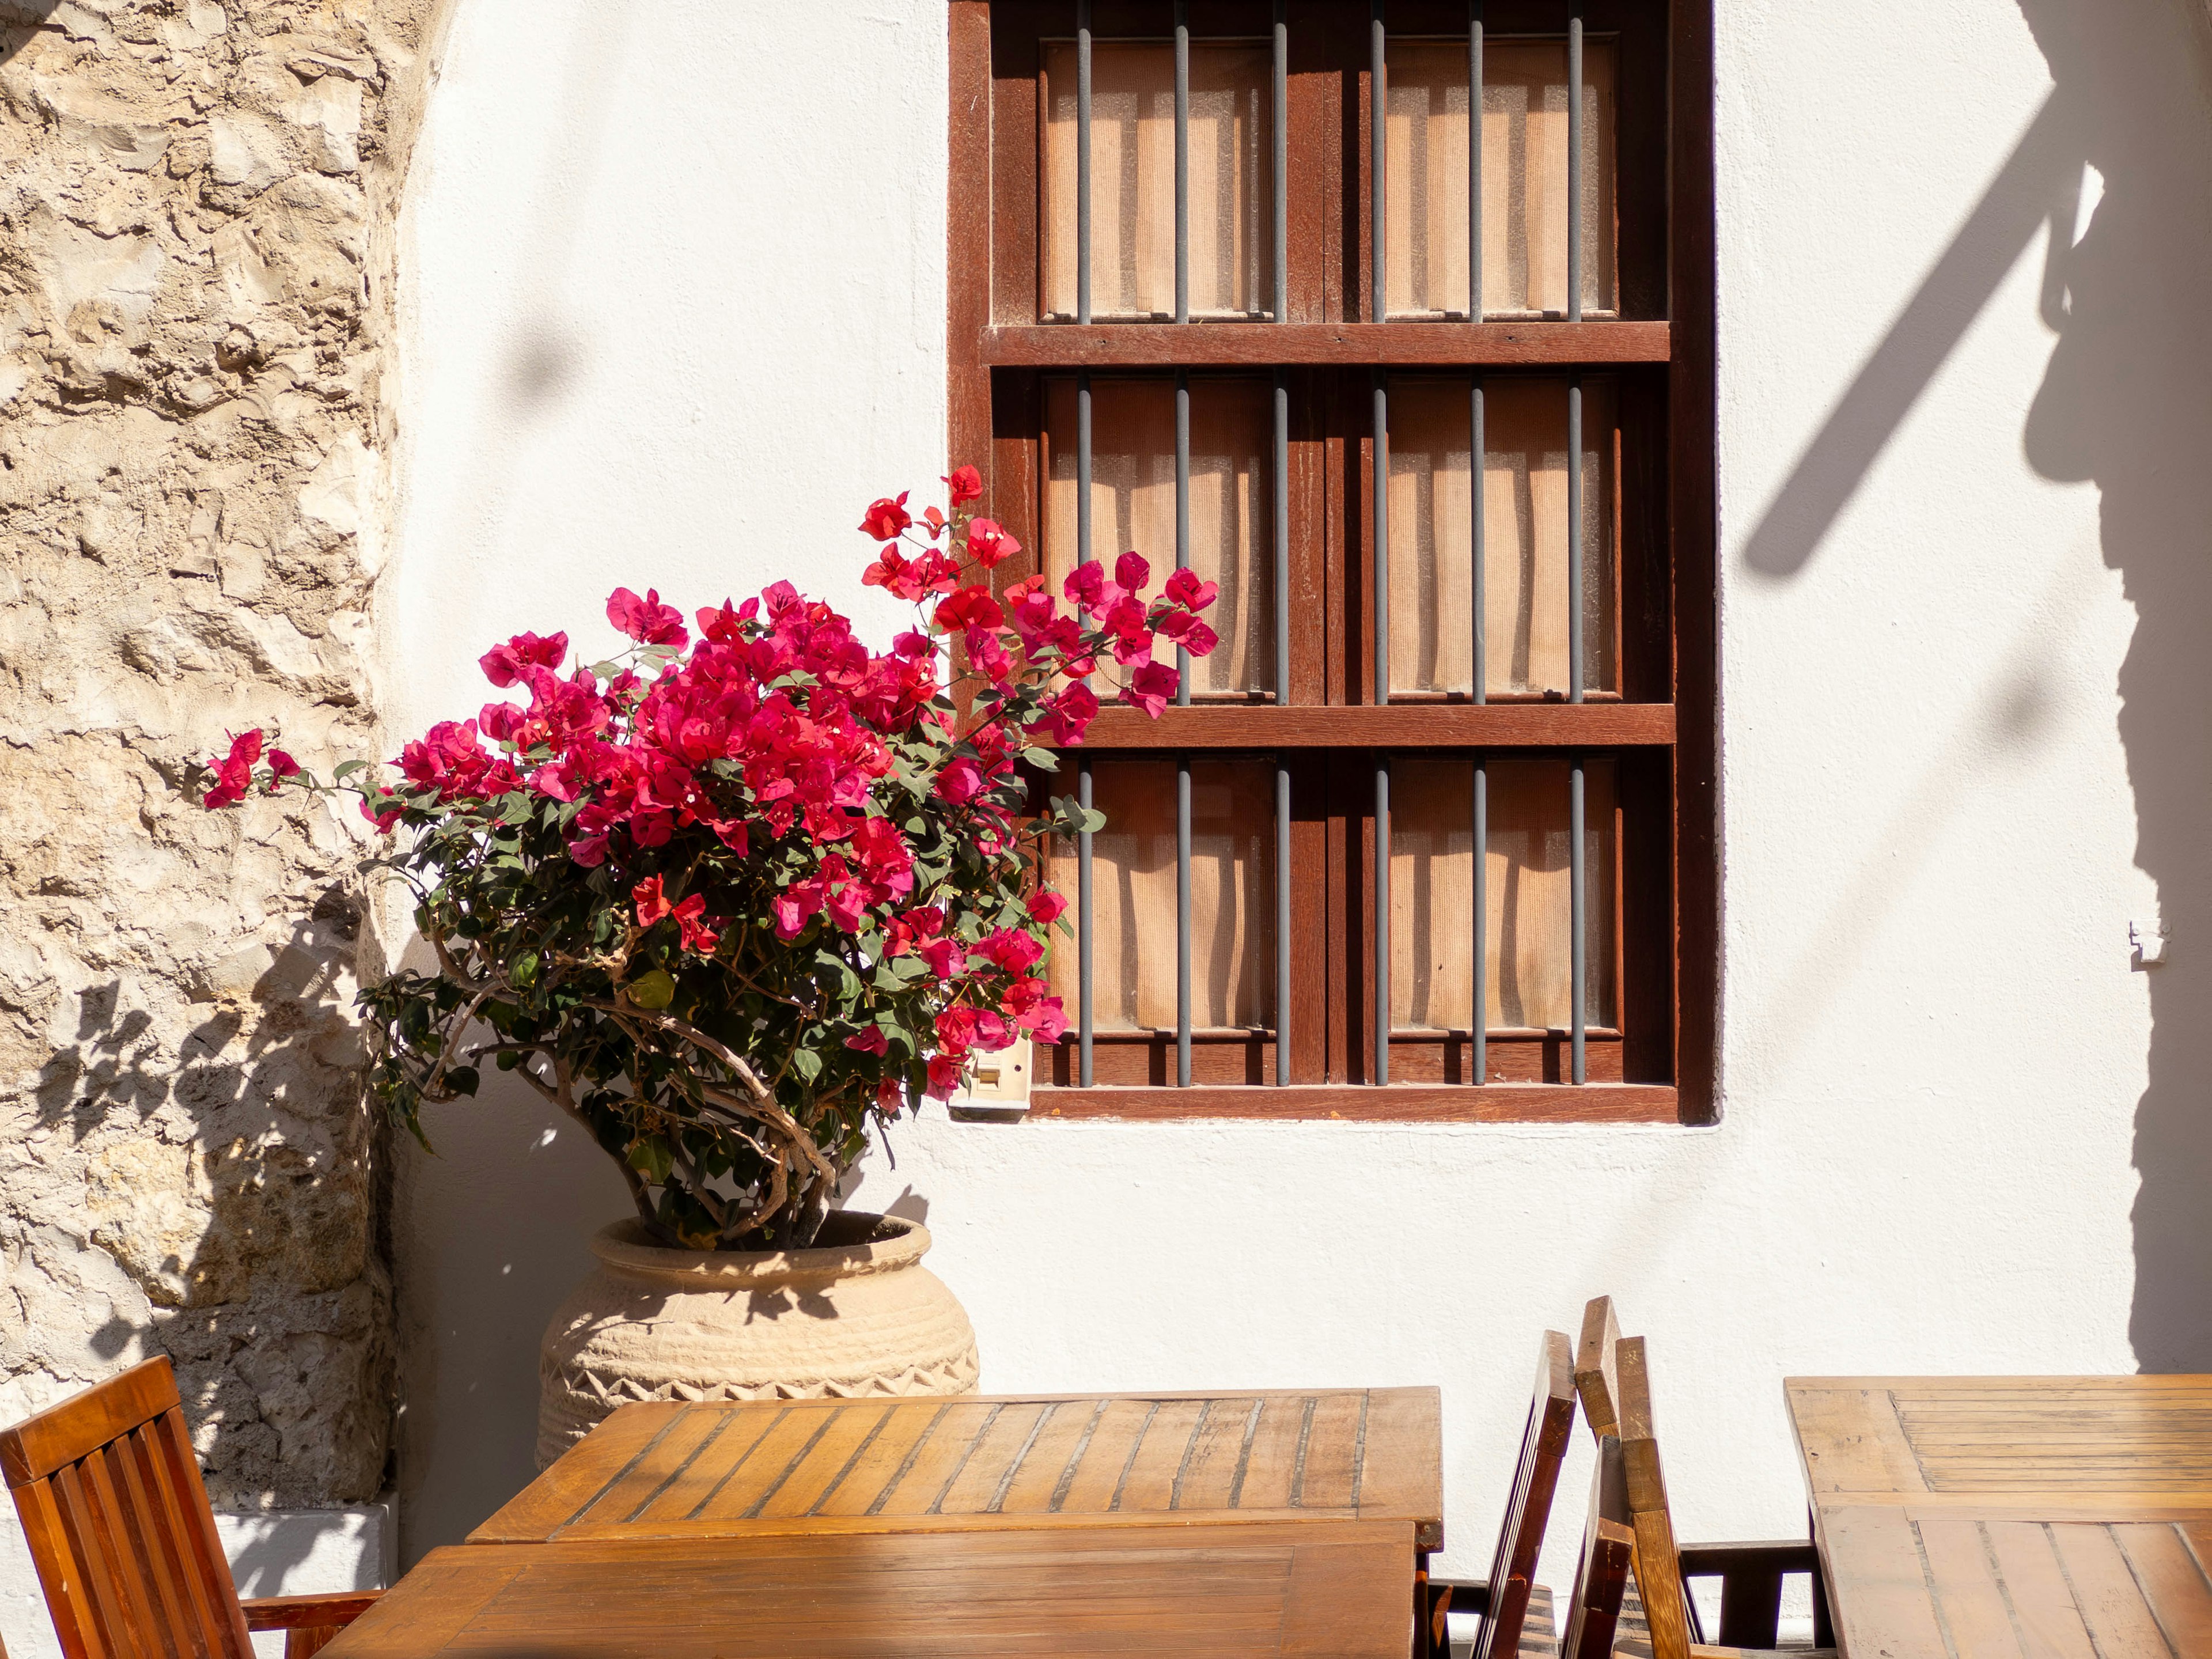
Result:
pixel 1282 539
pixel 1083 484
pixel 1574 161
pixel 1576 507
pixel 1183 516
pixel 1382 919
pixel 1083 167
pixel 1377 73
pixel 1282 163
pixel 1382 548
pixel 1182 160
pixel 1282 922
pixel 1082 776
pixel 1578 878
pixel 1183 921
pixel 1083 952
pixel 1474 161
pixel 1476 459
pixel 1480 1050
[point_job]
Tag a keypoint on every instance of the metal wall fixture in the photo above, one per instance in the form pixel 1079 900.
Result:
pixel 1378 311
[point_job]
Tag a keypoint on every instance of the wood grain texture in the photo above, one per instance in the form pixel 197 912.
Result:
pixel 1148 345
pixel 118 1527
pixel 1594 1102
pixel 2056 1517
pixel 1341 1590
pixel 979 1464
pixel 1395 726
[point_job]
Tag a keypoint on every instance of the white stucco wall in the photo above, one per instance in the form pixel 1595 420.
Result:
pixel 675 278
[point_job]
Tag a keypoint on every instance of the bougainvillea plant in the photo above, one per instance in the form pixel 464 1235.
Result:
pixel 751 887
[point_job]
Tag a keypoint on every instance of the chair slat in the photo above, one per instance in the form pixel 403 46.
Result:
pixel 132 1557
pixel 1535 1478
pixel 211 1593
pixel 92 1545
pixel 53 1553
pixel 166 1572
pixel 1601 1570
pixel 172 1442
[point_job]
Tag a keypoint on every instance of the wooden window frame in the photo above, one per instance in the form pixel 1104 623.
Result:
pixel 1661 345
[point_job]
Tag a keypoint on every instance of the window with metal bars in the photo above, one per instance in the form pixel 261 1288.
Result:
pixel 1394 320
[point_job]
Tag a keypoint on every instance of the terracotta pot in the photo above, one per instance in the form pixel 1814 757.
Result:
pixel 857 1314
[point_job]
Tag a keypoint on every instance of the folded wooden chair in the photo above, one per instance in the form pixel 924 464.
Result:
pixel 1613 1381
pixel 124 1539
pixel 1516 1614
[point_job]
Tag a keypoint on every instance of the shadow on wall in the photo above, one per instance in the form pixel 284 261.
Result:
pixel 254 1241
pixel 2126 402
pixel 489 1234
pixel 20 21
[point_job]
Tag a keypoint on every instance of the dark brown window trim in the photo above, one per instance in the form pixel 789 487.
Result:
pixel 993 404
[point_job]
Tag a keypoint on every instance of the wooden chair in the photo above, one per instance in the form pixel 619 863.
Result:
pixel 120 1530
pixel 1612 1378
pixel 1594 1607
pixel 1516 1614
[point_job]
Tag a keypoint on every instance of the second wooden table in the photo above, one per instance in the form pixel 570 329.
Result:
pixel 982 1463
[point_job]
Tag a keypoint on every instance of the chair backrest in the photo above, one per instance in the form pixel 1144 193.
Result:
pixel 1601 1569
pixel 120 1527
pixel 1614 1378
pixel 1520 1538
pixel 1594 1367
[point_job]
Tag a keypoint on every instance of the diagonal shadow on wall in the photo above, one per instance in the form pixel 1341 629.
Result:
pixel 2126 402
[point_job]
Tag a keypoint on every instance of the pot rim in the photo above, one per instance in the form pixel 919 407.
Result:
pixel 623 1248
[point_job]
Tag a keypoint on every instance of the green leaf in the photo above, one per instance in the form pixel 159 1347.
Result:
pixel 806 1063
pixel 525 971
pixel 462 1080
pixel 650 1157
pixel 652 990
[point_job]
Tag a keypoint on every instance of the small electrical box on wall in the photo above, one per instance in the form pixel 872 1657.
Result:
pixel 2148 939
pixel 998 1086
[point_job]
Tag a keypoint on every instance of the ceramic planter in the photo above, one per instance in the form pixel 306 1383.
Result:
pixel 855 1315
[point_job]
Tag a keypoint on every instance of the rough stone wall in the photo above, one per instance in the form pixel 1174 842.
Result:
pixel 196 311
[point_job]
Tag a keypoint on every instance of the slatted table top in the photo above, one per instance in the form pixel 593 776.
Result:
pixel 1331 1590
pixel 2040 1517
pixel 982 1463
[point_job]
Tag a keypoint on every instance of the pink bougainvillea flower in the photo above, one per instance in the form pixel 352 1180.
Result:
pixel 1150 688
pixel 234 771
pixel 1010 949
pixel 651 902
pixel 1047 906
pixel 646 620
pixel 871 1041
pixel 1084 585
pixel 944 1073
pixel 965 483
pixel 947 958
pixel 886 519
pixel 381 811
pixel 988 542
pixel 1131 573
pixel 961 781
pixel 503 665
pixel 971 607
pixel 503 722
pixel 1186 590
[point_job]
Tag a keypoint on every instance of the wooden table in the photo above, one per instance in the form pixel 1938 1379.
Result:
pixel 2042 1517
pixel 985 1463
pixel 1323 1589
